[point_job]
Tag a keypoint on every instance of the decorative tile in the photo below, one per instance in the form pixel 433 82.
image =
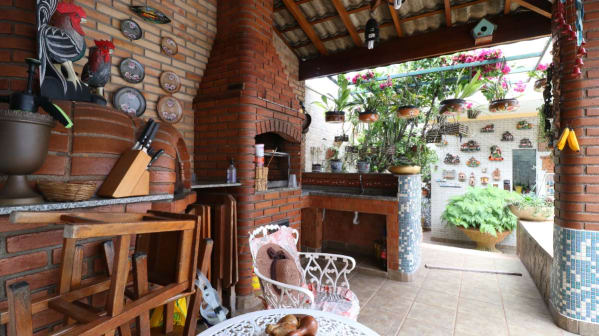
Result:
pixel 409 196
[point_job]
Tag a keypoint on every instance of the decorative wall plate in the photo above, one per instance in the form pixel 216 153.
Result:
pixel 169 109
pixel 131 29
pixel 150 14
pixel 132 71
pixel 130 100
pixel 170 82
pixel 169 46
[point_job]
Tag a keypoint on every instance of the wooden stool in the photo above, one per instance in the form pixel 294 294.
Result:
pixel 83 319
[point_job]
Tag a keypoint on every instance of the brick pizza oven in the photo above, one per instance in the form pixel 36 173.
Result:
pixel 250 94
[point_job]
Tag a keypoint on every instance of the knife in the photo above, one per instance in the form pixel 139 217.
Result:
pixel 144 135
pixel 155 157
pixel 148 141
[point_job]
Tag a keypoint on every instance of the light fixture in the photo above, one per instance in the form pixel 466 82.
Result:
pixel 397 4
pixel 371 34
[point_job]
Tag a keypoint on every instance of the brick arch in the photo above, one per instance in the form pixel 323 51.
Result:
pixel 283 128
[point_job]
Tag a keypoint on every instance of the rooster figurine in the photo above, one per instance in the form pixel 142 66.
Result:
pixel 96 72
pixel 60 39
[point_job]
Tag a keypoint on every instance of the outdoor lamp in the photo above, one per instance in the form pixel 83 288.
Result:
pixel 371 33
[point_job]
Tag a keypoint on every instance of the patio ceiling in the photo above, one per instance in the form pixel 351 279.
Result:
pixel 328 35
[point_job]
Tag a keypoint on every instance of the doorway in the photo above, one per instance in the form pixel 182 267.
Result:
pixel 524 170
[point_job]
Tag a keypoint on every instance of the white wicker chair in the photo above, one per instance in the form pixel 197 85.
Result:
pixel 321 270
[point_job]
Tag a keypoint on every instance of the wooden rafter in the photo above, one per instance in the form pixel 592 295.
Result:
pixel 351 29
pixel 299 2
pixel 435 43
pixel 396 22
pixel 538 6
pixel 447 6
pixel 305 25
pixel 508 7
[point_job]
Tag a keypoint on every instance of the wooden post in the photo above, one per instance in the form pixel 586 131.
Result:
pixel 19 310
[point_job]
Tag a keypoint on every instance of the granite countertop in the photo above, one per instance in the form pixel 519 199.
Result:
pixel 213 184
pixel 371 194
pixel 93 202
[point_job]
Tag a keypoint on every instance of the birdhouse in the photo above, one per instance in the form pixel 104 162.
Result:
pixel 483 32
pixel 371 34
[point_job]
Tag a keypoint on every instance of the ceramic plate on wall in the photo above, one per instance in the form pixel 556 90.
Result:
pixel 129 100
pixel 169 46
pixel 131 29
pixel 170 82
pixel 132 71
pixel 150 14
pixel 170 109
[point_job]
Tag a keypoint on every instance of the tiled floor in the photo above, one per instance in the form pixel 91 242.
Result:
pixel 456 303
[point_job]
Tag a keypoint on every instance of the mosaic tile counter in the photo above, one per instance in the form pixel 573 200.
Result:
pixel 409 196
pixel 575 279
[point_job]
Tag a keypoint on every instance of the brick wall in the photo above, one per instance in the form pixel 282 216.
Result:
pixel 250 87
pixel 577 194
pixel 193 27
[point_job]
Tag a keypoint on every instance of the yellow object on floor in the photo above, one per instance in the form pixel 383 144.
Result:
pixel 179 316
pixel 255 283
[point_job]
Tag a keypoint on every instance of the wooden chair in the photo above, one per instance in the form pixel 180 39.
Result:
pixel 182 231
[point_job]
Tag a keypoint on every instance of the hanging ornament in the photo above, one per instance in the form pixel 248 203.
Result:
pixel 397 4
pixel 371 34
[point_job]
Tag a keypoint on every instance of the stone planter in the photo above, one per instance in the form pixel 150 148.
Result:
pixel 368 117
pixel 504 105
pixel 485 241
pixel 408 112
pixel 540 84
pixel 334 116
pixel 531 213
pixel 452 106
pixel 404 170
pixel 363 167
pixel 336 166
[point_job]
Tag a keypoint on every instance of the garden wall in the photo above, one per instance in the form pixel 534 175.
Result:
pixel 441 195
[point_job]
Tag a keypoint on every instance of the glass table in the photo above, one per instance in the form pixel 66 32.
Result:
pixel 253 324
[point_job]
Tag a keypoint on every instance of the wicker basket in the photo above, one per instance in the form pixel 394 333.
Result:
pixel 433 136
pixel 67 191
pixel 456 129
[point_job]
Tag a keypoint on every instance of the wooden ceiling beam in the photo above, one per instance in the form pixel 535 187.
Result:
pixel 299 2
pixel 396 21
pixel 440 42
pixel 447 6
pixel 508 7
pixel 351 29
pixel 305 25
pixel 542 7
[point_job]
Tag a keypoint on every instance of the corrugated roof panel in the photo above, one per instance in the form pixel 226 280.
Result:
pixel 340 44
pixel 317 9
pixel 415 7
pixel 424 24
pixel 329 28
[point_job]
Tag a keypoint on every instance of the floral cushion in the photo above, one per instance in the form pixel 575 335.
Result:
pixel 341 301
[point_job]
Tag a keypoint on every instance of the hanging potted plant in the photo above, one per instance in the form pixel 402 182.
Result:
pixel 482 215
pixel 495 89
pixel 335 106
pixel 334 161
pixel 408 102
pixel 540 76
pixel 368 105
pixel 457 104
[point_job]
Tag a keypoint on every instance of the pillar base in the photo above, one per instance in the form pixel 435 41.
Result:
pixel 572 325
pixel 402 276
pixel 248 303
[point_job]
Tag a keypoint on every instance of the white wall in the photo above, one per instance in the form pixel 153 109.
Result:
pixel 441 195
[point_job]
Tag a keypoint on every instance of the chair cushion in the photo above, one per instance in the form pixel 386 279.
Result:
pixel 282 237
pixel 284 270
pixel 341 301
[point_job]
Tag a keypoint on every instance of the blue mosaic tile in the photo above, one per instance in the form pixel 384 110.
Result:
pixel 574 274
pixel 409 194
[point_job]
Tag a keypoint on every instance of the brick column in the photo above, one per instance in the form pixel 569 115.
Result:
pixel 574 273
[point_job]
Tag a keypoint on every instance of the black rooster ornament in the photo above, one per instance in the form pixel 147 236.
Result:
pixel 96 72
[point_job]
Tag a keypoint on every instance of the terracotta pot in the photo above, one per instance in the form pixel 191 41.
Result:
pixel 531 213
pixel 404 170
pixel 334 116
pixel 452 106
pixel 408 112
pixel 485 241
pixel 336 166
pixel 368 117
pixel 504 105
pixel 540 84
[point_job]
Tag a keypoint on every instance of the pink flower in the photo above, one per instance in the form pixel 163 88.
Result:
pixel 468 105
pixel 542 67
pixel 519 87
pixel 506 70
pixel 504 84
pixel 382 86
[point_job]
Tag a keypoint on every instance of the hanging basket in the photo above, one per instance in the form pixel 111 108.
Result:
pixel 456 129
pixel 433 136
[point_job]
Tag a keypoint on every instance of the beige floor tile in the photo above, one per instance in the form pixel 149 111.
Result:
pixel 449 287
pixel 399 290
pixel 479 307
pixel 437 298
pixel 382 321
pixel 481 294
pixel 365 286
pixel 483 324
pixel 449 276
pixel 523 304
pixel 527 330
pixel 434 315
pixel 413 327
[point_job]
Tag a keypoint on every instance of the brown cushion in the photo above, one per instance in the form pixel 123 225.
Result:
pixel 285 269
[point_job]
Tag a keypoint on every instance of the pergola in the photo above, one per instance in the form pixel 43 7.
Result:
pixel 328 35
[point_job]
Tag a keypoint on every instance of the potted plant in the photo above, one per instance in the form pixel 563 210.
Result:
pixel 335 106
pixel 406 163
pixel 482 214
pixel 532 208
pixel 334 161
pixel 408 101
pixel 496 89
pixel 363 163
pixel 463 90
pixel 368 107
pixel 540 76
